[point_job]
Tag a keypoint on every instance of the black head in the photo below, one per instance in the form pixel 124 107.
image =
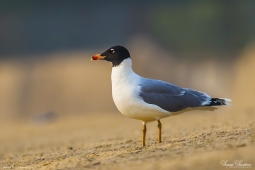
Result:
pixel 115 54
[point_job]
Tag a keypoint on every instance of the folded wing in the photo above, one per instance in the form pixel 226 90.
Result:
pixel 171 97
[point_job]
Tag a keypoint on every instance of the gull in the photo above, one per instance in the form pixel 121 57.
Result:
pixel 148 99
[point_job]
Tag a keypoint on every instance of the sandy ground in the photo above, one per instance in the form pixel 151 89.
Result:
pixel 88 137
pixel 193 140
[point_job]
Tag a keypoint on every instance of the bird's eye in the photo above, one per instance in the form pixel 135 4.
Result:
pixel 112 51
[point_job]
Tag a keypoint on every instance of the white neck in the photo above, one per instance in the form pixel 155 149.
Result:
pixel 123 73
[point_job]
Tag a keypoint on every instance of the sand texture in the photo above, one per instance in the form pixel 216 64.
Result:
pixel 111 141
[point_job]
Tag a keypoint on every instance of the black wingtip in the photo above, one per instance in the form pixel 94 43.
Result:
pixel 219 102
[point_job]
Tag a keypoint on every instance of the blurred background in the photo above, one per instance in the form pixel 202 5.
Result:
pixel 45 50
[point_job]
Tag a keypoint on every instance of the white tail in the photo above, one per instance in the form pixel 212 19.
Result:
pixel 226 101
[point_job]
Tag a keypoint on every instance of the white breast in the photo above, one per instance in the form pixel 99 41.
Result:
pixel 125 93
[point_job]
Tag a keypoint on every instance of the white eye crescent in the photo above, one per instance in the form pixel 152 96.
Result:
pixel 112 50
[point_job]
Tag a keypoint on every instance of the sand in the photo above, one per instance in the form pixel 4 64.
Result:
pixel 85 131
pixel 193 140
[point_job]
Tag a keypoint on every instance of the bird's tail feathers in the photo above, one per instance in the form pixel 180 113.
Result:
pixel 219 101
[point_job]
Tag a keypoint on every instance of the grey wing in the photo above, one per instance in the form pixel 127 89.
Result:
pixel 171 97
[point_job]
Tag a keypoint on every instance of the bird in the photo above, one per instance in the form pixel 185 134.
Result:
pixel 147 99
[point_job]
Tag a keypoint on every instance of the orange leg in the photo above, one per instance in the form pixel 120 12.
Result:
pixel 159 131
pixel 144 133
